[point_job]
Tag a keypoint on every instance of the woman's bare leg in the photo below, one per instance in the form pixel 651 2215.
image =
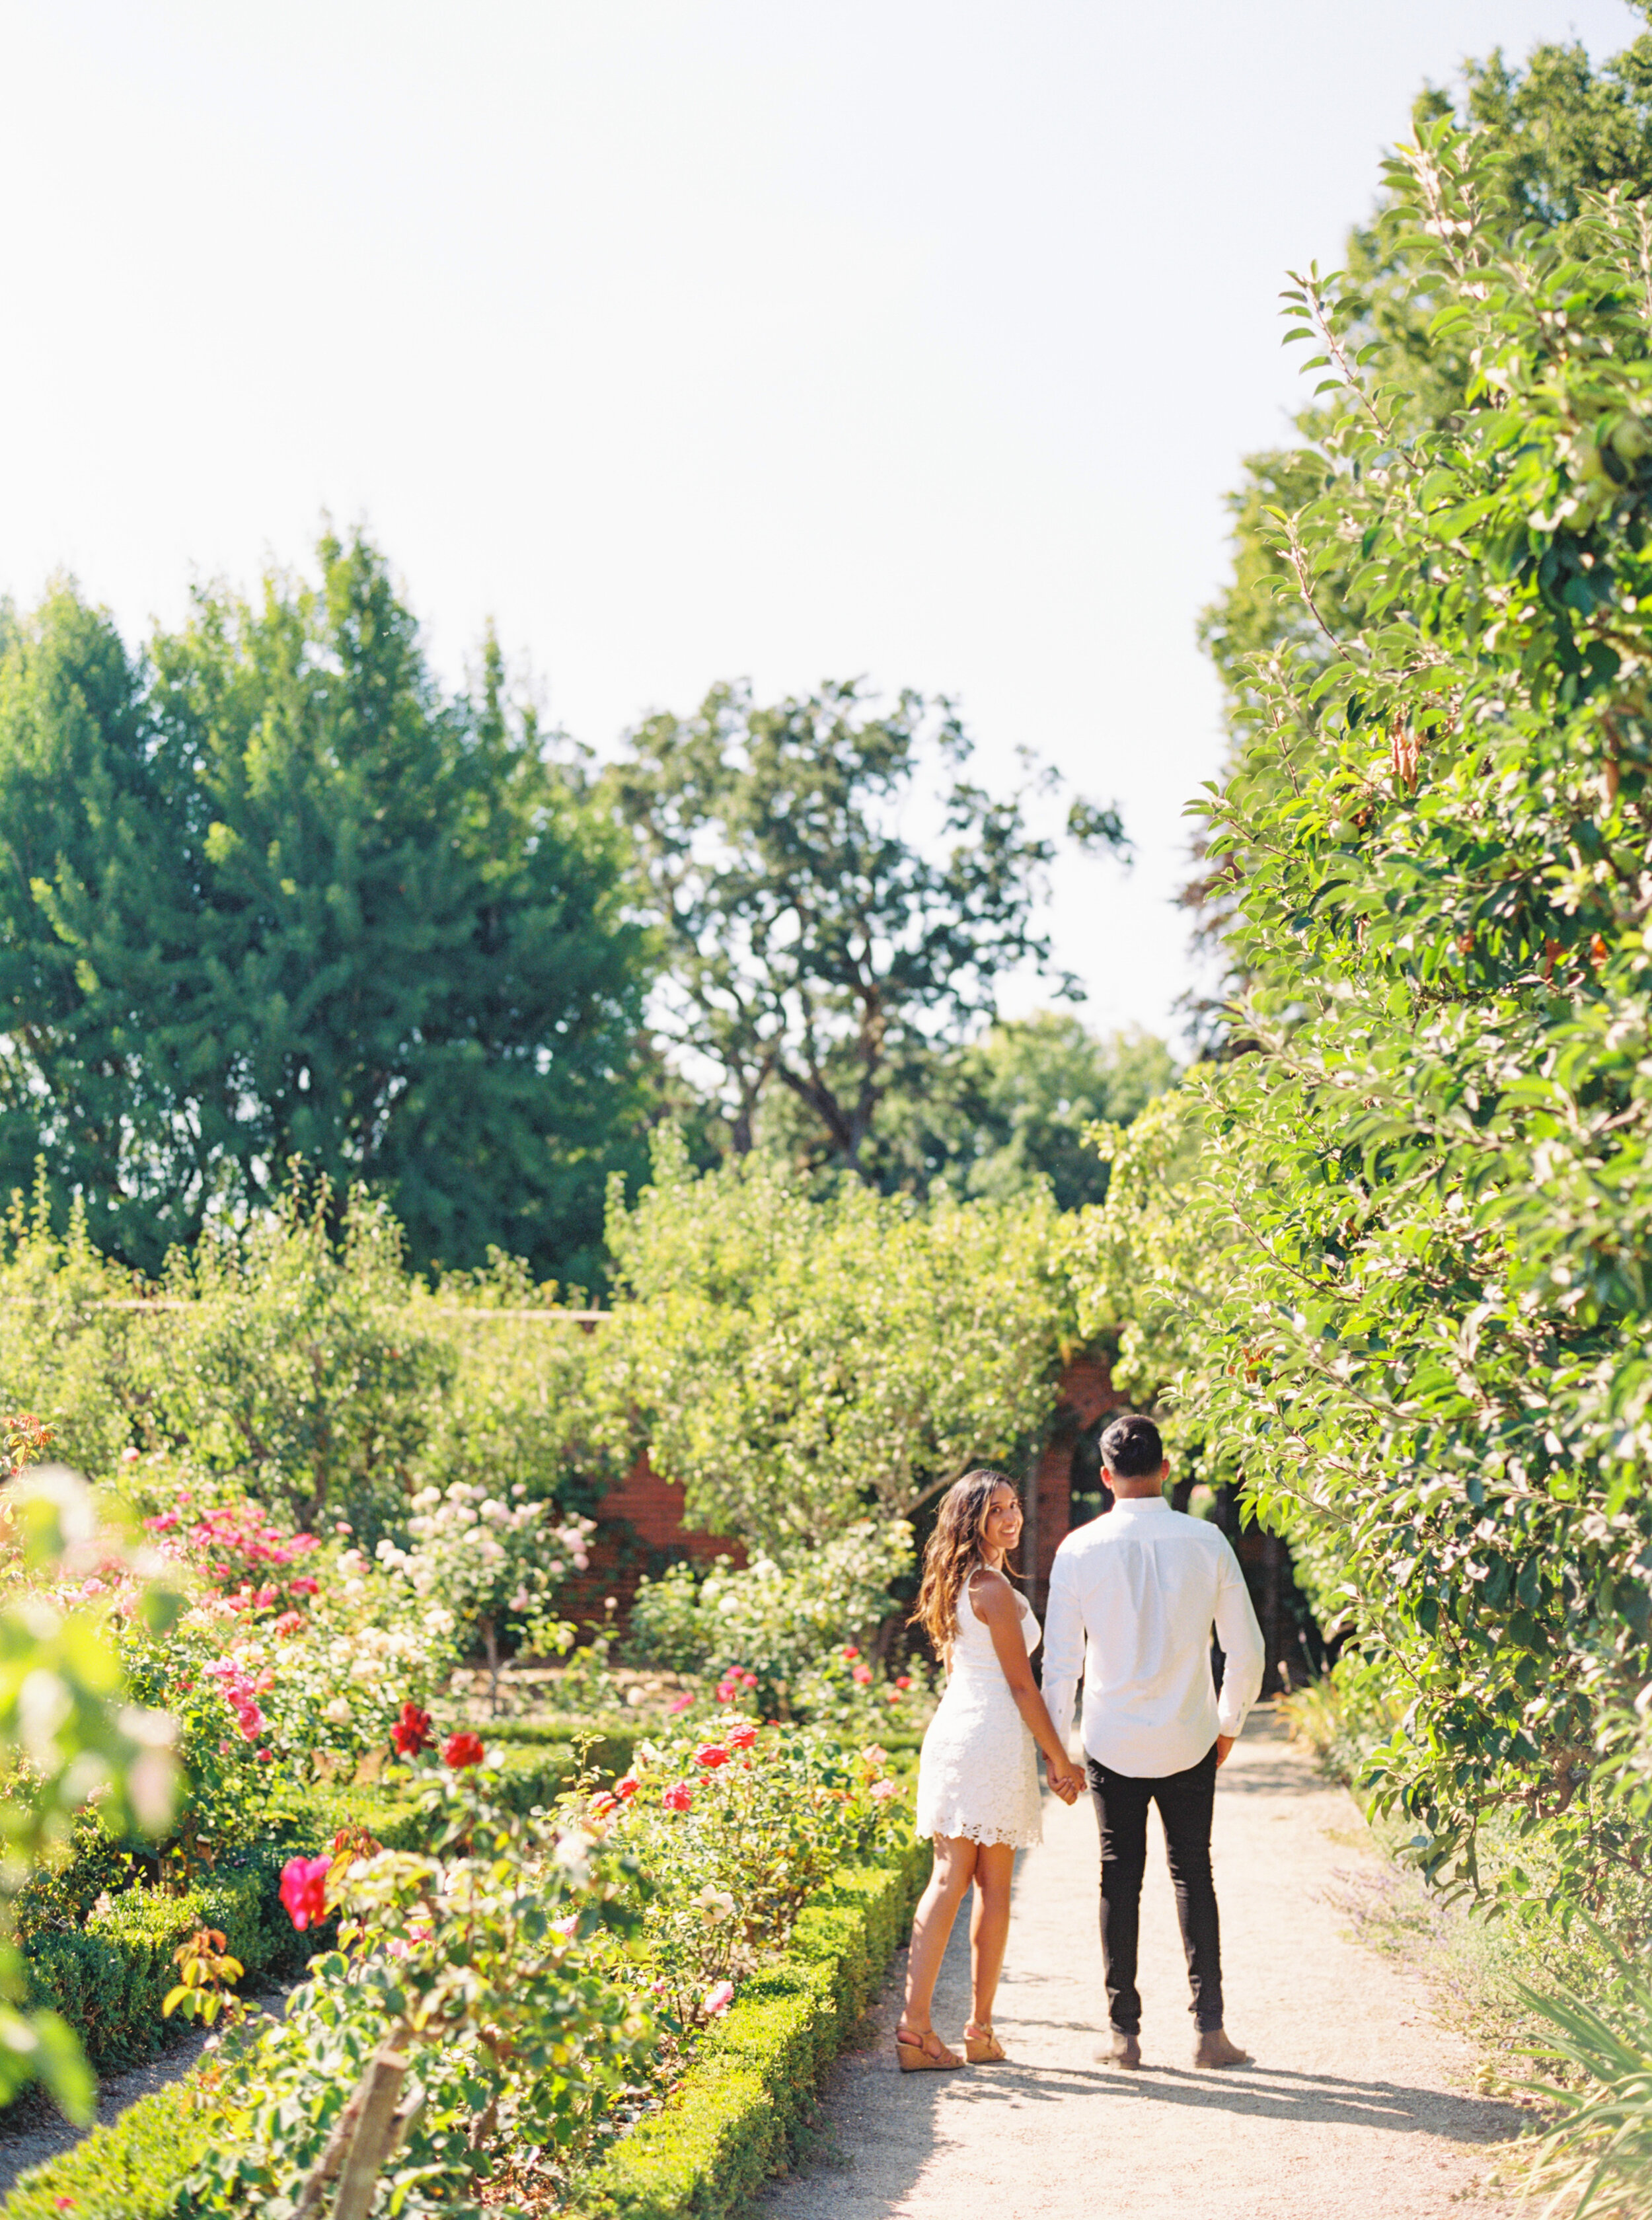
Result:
pixel 932 1925
pixel 989 1928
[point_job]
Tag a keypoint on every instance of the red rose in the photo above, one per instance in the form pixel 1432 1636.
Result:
pixel 903 1681
pixel 679 1797
pixel 626 1788
pixel 711 1755
pixel 741 1737
pixel 304 1585
pixel 463 1749
pixel 602 1804
pixel 851 1653
pixel 411 1732
pixel 303 1889
pixel 862 1675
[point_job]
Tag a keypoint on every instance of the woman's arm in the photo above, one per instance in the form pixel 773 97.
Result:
pixel 995 1605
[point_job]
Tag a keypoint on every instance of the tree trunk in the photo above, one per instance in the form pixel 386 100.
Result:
pixel 376 2134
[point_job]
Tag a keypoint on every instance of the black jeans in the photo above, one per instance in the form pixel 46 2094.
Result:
pixel 1185 1801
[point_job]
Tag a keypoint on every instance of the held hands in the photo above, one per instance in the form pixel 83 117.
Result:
pixel 1224 1743
pixel 1065 1780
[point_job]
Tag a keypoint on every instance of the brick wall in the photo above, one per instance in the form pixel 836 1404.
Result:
pixel 640 1527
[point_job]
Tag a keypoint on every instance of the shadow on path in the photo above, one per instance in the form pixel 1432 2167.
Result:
pixel 1262 2092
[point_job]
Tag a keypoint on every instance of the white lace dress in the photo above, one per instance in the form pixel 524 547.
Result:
pixel 978 1773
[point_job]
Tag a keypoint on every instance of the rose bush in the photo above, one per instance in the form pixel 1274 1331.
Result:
pixel 487 1560
pixel 495 1967
pixel 772 1619
pixel 731 1833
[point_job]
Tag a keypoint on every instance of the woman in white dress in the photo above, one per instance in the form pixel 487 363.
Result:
pixel 978 1775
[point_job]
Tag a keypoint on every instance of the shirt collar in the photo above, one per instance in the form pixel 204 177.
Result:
pixel 1140 1507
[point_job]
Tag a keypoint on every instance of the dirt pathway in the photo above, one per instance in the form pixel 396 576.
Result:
pixel 1358 2104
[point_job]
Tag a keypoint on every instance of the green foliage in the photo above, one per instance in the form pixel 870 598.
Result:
pixel 108 1979
pixel 68 1732
pixel 728 2125
pixel 100 924
pixel 72 1350
pixel 488 1962
pixel 732 1830
pixel 1546 136
pixel 1422 1199
pixel 295 1365
pixel 1009 1111
pixel 770 1619
pixel 799 1364
pixel 271 895
pixel 1596 2156
pixel 813 943
pixel 747 2091
pixel 133 2169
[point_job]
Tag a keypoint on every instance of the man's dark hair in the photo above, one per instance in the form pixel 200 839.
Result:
pixel 1131 1447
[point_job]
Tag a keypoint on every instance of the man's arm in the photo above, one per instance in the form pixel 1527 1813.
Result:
pixel 1063 1647
pixel 1241 1648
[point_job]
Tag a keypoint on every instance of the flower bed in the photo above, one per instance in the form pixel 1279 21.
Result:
pixel 729 2123
pixel 723 2127
pixel 108 1974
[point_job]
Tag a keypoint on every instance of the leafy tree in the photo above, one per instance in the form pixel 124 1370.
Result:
pixel 274 895
pixel 1551 132
pixel 1410 1293
pixel 104 1070
pixel 417 948
pixel 801 1362
pixel 1012 1110
pixel 811 940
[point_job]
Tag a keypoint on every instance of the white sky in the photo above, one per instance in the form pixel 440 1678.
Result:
pixel 912 338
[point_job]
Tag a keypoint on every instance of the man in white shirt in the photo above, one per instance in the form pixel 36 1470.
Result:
pixel 1133 1595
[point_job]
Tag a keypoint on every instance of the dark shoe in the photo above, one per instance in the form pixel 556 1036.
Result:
pixel 1214 2050
pixel 1121 2049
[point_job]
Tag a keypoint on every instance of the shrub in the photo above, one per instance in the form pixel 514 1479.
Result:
pixel 727 2126
pixel 733 1828
pixel 133 2169
pixel 108 1979
pixel 297 1366
pixel 488 1964
pixel 771 1618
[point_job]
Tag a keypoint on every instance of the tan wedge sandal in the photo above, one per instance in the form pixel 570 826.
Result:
pixel 982 2047
pixel 914 2054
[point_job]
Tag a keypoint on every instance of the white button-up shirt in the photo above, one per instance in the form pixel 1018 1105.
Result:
pixel 1133 1595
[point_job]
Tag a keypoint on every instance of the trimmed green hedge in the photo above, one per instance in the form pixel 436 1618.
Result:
pixel 129 2170
pixel 108 1978
pixel 729 2123
pixel 726 2128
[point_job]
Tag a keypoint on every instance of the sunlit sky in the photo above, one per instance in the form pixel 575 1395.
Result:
pixel 696 339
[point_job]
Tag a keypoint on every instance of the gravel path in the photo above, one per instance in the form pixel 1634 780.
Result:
pixel 1358 2106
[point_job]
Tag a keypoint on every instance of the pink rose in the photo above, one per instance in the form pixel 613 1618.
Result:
pixel 711 1755
pixel 303 1889
pixel 679 1797
pixel 719 1999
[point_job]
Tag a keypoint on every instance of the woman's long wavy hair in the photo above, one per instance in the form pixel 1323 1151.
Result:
pixel 953 1552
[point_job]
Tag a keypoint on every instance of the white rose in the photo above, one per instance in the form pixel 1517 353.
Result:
pixel 337 1710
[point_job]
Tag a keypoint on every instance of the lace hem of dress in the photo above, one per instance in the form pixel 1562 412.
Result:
pixel 974 1830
